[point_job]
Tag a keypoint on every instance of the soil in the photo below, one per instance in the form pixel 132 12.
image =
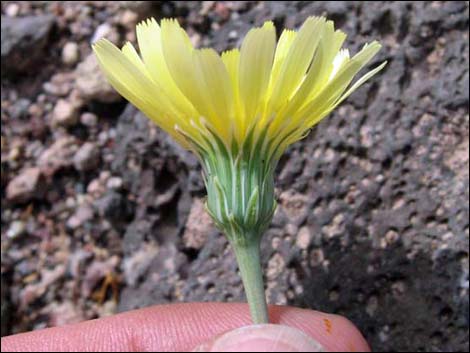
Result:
pixel 102 212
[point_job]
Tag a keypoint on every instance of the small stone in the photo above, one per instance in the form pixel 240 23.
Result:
pixel 295 205
pixel 105 30
pixel 12 10
pixel 392 237
pixel 398 289
pixel 105 175
pixel 89 119
pixel 111 206
pixel 317 257
pixel 198 226
pixel 60 84
pixel 372 306
pixel 95 188
pixel 303 238
pixel 291 229
pixel 336 227
pixel 16 229
pixel 20 108
pixel 114 183
pixel 195 39
pixel 61 314
pixel 83 214
pixel 129 18
pixel 333 296
pixel 141 8
pixel 23 42
pixel 58 155
pixel 65 114
pixel 87 157
pixel 26 186
pixel 233 34
pixel 33 291
pixel 77 261
pixel 70 53
pixel 135 266
pixel 206 7
pixel 276 266
pixel 101 31
pixel 96 272
pixel 222 10
pixel 14 154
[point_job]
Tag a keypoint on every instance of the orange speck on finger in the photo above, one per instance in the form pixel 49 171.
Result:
pixel 351 347
pixel 328 325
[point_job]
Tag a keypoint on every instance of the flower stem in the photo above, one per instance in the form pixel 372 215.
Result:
pixel 249 263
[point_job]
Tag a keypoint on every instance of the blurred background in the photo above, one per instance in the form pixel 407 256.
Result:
pixel 102 212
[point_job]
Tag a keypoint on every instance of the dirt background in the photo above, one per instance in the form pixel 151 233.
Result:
pixel 101 212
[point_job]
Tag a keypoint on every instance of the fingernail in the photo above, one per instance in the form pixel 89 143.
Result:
pixel 262 338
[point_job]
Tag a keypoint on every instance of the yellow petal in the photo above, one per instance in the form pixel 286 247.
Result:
pixel 360 82
pixel 135 85
pixel 129 51
pixel 178 54
pixel 231 60
pixel 338 84
pixel 256 60
pixel 355 86
pixel 298 60
pixel 282 50
pixel 214 80
pixel 317 74
pixel 322 65
pixel 339 61
pixel 150 44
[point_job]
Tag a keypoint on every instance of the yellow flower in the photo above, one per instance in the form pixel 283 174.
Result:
pixel 238 112
pixel 282 89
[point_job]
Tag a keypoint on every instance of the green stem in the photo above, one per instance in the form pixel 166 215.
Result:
pixel 249 263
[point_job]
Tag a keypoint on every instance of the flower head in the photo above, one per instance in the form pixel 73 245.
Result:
pixel 279 89
pixel 238 111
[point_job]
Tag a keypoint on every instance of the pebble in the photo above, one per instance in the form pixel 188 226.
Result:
pixel 60 84
pixel 26 186
pixel 23 42
pixel 198 226
pixel 70 53
pixel 20 108
pixel 83 214
pixel 58 155
pixel 129 18
pixel 89 119
pixel 303 238
pixel 87 157
pixel 95 188
pixel 65 113
pixel 12 10
pixel 114 183
pixel 105 30
pixel 101 31
pixel 16 229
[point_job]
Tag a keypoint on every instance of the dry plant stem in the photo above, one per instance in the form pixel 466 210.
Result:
pixel 249 263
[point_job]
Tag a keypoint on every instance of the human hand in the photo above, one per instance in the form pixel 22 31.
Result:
pixel 199 327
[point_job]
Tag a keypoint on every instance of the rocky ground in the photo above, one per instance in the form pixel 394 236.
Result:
pixel 102 212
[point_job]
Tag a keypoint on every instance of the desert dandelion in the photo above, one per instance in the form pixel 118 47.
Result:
pixel 238 112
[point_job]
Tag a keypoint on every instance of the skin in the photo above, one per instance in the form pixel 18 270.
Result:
pixel 181 327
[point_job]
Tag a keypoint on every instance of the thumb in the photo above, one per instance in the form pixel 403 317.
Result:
pixel 262 338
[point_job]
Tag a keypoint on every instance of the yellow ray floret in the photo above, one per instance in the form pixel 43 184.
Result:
pixel 278 91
